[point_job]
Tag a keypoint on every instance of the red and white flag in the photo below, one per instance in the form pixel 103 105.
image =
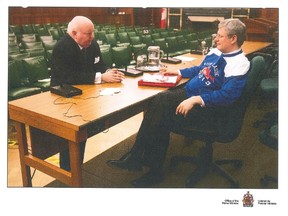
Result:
pixel 163 17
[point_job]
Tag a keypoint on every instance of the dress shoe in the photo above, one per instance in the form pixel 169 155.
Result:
pixel 127 162
pixel 148 180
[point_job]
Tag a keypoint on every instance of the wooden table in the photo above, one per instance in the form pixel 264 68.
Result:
pixel 250 47
pixel 53 122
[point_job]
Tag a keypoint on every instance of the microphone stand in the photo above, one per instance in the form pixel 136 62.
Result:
pixel 170 60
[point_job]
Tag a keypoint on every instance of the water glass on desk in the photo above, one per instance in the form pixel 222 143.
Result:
pixel 162 68
pixel 204 48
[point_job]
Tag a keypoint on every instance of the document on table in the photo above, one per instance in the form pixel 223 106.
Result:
pixel 184 58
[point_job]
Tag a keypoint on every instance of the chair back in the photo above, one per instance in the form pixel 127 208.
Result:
pixel 121 56
pixel 36 68
pixel 107 57
pixel 14 79
pixel 111 39
pixel 123 37
pixel 230 118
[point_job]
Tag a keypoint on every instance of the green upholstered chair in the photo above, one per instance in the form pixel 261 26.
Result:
pixel 123 37
pixel 161 42
pixel 111 39
pixel 131 33
pixel 164 34
pixel 135 40
pixel 16 89
pixel 101 35
pixel 122 56
pixel 36 52
pixel 16 29
pixel 171 33
pixel 43 32
pixel 107 56
pixel 202 35
pixel 12 39
pixel 147 39
pixel 32 45
pixel 37 72
pixel 36 27
pixel 194 45
pixel 139 49
pixel 191 37
pixel 155 35
pixel 182 45
pixel 13 49
pixel 44 38
pixel 49 45
pixel 172 46
pixel 228 124
pixel 18 59
pixel 28 29
pixel 54 32
pixel 29 38
pixel 105 46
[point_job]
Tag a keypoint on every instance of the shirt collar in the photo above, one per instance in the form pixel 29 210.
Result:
pixel 233 53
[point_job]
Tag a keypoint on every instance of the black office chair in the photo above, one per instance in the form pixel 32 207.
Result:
pixel 269 137
pixel 229 121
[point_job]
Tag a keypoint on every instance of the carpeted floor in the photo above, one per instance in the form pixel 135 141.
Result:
pixel 258 160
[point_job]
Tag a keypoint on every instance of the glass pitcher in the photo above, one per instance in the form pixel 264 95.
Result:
pixel 154 55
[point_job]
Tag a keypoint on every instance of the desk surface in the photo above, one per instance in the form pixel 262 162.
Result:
pixel 205 18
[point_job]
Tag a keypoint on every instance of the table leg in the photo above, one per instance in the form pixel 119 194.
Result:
pixel 23 150
pixel 75 164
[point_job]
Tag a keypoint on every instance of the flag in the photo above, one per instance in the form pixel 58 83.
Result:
pixel 163 17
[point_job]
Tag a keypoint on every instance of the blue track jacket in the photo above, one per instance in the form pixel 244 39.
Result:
pixel 220 78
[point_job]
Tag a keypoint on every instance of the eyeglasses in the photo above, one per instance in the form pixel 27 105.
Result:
pixel 222 36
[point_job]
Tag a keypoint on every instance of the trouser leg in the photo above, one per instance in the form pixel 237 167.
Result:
pixel 153 136
pixel 65 157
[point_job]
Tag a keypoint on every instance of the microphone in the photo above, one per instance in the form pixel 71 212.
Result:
pixel 170 60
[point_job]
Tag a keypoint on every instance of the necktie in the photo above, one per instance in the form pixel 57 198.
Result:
pixel 83 51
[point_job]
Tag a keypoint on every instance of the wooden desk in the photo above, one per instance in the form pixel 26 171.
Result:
pixel 49 130
pixel 205 18
pixel 250 47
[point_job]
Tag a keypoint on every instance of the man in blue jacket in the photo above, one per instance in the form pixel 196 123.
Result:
pixel 76 59
pixel 218 81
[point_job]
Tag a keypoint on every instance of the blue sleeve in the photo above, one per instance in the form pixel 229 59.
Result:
pixel 231 90
pixel 190 72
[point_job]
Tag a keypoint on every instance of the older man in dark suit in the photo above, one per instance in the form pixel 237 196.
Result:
pixel 76 59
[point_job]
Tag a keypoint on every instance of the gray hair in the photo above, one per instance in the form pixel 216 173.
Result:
pixel 234 27
pixel 76 23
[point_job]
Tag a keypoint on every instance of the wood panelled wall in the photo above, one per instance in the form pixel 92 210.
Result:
pixel 41 15
pixel 269 13
pixel 118 16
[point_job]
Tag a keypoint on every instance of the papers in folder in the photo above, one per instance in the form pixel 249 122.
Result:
pixel 159 80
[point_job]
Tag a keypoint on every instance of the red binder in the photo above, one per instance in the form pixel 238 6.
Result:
pixel 159 80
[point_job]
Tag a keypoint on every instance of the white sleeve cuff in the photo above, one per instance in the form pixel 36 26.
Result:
pixel 98 78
